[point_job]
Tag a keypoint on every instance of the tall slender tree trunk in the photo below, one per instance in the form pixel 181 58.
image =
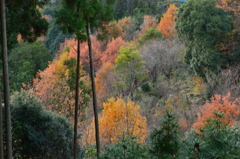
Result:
pixel 93 89
pixel 1 130
pixel 6 81
pixel 76 99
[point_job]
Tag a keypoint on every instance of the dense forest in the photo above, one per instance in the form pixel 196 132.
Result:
pixel 123 79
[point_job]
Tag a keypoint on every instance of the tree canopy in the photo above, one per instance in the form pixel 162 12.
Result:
pixel 201 26
pixel 25 61
pixel 38 132
pixel 24 18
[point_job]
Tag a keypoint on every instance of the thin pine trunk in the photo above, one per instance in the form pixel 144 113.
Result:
pixel 76 99
pixel 6 82
pixel 1 130
pixel 93 89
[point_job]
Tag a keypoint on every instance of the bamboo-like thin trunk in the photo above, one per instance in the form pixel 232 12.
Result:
pixel 76 99
pixel 1 130
pixel 6 82
pixel 93 90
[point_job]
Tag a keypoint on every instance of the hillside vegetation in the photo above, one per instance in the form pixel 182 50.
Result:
pixel 166 76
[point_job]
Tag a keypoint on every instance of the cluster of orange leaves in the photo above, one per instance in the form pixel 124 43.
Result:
pixel 218 104
pixel 110 54
pixel 118 118
pixel 104 82
pixel 167 23
pixel 148 22
pixel 51 86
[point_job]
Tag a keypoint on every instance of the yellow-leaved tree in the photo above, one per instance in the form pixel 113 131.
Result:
pixel 118 118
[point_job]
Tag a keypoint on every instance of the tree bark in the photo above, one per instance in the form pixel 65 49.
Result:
pixel 1 130
pixel 76 99
pixel 93 89
pixel 6 82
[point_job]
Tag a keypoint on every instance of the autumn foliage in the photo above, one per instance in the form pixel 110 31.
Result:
pixel 167 23
pixel 54 86
pixel 148 22
pixel 225 105
pixel 118 118
pixel 110 54
pixel 116 29
pixel 104 82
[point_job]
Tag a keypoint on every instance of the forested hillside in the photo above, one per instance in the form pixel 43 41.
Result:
pixel 124 79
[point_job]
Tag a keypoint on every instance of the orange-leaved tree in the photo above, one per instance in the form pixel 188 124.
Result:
pixel 55 86
pixel 105 79
pixel 96 48
pixel 118 118
pixel 167 23
pixel 110 54
pixel 148 22
pixel 224 108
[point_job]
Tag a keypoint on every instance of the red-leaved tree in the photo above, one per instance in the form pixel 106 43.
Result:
pixel 224 108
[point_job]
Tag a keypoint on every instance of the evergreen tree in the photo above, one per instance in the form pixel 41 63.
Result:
pixel 4 50
pixel 24 18
pixel 201 26
pixel 73 18
pixel 38 133
pixel 25 61
pixel 216 140
pixel 126 148
pixel 165 141
pixel 54 35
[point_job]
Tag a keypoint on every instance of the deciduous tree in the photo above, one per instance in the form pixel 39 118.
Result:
pixel 226 105
pixel 105 79
pixel 119 118
pixel 129 69
pixel 162 57
pixel 55 86
pixel 110 54
pixel 149 34
pixel 88 13
pixel 167 23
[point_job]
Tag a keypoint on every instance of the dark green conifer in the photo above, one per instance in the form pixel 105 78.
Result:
pixel 165 140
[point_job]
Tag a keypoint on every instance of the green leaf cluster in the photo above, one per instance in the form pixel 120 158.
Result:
pixel 38 132
pixel 201 25
pixel 216 140
pixel 128 8
pixel 151 33
pixel 25 61
pixel 71 65
pixel 126 148
pixel 129 67
pixel 24 18
pixel 75 15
